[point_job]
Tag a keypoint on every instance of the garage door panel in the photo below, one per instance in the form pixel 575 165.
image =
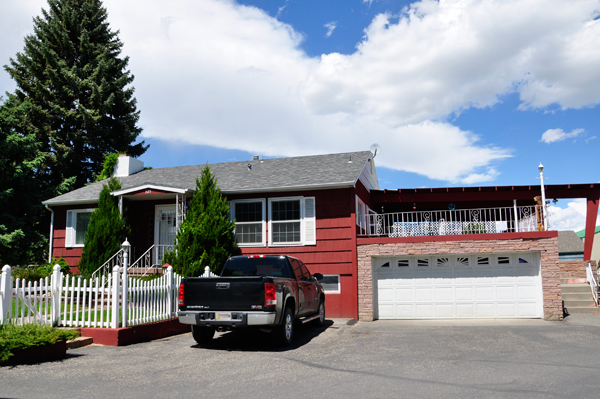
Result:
pixel 424 294
pixel 505 293
pixel 405 311
pixel 444 311
pixel 507 310
pixel 484 293
pixel 424 310
pixel 404 295
pixel 485 310
pixel 444 294
pixel 498 288
pixel 465 310
pixel 464 293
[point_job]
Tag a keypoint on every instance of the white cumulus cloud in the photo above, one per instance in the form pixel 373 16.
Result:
pixel 554 135
pixel 214 72
pixel 570 218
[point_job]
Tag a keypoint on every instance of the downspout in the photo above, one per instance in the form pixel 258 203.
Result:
pixel 51 233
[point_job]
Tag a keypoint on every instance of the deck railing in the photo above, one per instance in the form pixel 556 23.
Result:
pixel 452 222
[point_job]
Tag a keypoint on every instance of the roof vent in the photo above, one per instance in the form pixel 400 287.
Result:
pixel 350 160
pixel 249 167
pixel 255 158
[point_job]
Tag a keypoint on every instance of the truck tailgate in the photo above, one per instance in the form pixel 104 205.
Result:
pixel 224 293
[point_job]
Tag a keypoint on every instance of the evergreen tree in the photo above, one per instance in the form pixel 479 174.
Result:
pixel 106 231
pixel 24 221
pixel 80 102
pixel 206 236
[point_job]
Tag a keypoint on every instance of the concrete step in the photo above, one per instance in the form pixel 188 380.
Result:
pixel 575 288
pixel 573 280
pixel 582 310
pixel 79 342
pixel 579 303
pixel 580 296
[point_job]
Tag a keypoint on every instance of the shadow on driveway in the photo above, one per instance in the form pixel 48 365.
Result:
pixel 254 340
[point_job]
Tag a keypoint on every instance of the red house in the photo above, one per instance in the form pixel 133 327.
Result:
pixel 418 253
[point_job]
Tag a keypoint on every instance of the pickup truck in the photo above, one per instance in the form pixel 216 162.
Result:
pixel 269 292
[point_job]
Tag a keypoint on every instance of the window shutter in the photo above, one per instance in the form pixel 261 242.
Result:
pixel 70 233
pixel 310 223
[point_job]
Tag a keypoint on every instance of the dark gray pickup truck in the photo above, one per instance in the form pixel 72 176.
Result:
pixel 269 292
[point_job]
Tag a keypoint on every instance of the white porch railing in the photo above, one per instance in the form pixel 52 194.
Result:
pixel 106 268
pixel 160 252
pixel 592 281
pixel 96 302
pixel 452 222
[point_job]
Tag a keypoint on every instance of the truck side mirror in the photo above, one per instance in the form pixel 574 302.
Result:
pixel 318 276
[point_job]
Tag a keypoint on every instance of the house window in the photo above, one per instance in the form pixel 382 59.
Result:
pixel 77 227
pixel 361 217
pixel 292 221
pixel 331 283
pixel 249 222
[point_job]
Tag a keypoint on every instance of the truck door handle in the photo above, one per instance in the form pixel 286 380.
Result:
pixel 222 286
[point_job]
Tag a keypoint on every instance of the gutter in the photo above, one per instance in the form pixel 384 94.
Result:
pixel 51 233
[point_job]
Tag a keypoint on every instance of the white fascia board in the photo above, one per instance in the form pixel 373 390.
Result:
pixel 319 186
pixel 374 175
pixel 69 202
pixel 151 187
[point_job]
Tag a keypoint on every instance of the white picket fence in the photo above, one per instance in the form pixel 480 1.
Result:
pixel 110 302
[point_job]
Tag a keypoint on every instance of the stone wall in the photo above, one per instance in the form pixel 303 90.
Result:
pixel 575 267
pixel 547 247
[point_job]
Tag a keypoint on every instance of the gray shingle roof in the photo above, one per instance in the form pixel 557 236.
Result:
pixel 278 174
pixel 569 242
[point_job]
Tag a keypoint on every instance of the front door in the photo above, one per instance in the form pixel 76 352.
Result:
pixel 165 229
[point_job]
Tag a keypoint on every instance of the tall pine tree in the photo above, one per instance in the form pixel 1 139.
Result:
pixel 23 218
pixel 78 90
pixel 106 231
pixel 206 236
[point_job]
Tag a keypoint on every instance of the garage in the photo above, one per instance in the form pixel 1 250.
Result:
pixel 489 286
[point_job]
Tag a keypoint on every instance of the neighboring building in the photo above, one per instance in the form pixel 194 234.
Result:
pixel 570 246
pixel 596 247
pixel 459 252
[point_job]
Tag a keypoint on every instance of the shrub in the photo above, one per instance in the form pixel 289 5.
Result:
pixel 206 236
pixel 17 338
pixel 35 273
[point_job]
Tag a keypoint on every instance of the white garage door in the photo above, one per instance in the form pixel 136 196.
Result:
pixel 458 286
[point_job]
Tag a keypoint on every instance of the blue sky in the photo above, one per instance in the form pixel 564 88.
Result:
pixel 457 93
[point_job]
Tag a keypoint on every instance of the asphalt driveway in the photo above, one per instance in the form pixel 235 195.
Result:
pixel 416 359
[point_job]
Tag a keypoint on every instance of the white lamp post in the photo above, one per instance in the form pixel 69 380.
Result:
pixel 541 168
pixel 126 246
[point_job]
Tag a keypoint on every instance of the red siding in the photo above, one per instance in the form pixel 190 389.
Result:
pixel 71 255
pixel 335 251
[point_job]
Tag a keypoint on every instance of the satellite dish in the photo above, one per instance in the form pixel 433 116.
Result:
pixel 375 149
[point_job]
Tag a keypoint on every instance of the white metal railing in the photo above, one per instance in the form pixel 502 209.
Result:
pixel 452 222
pixel 146 261
pixel 106 268
pixel 592 281
pixel 96 302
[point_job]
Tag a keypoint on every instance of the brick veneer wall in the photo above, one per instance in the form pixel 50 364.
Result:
pixel 547 248
pixel 575 267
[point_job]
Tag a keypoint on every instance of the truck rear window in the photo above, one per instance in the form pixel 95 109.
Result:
pixel 274 267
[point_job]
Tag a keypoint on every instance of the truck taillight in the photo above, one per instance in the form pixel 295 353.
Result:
pixel 181 292
pixel 270 294
pixel 255 256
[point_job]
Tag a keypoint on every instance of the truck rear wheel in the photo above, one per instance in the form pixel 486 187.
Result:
pixel 321 319
pixel 203 335
pixel 285 332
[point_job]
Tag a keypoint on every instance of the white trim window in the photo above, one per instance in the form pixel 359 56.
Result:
pixel 77 226
pixel 250 222
pixel 292 221
pixel 331 284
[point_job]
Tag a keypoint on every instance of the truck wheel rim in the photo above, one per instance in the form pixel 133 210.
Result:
pixel 322 313
pixel 288 327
